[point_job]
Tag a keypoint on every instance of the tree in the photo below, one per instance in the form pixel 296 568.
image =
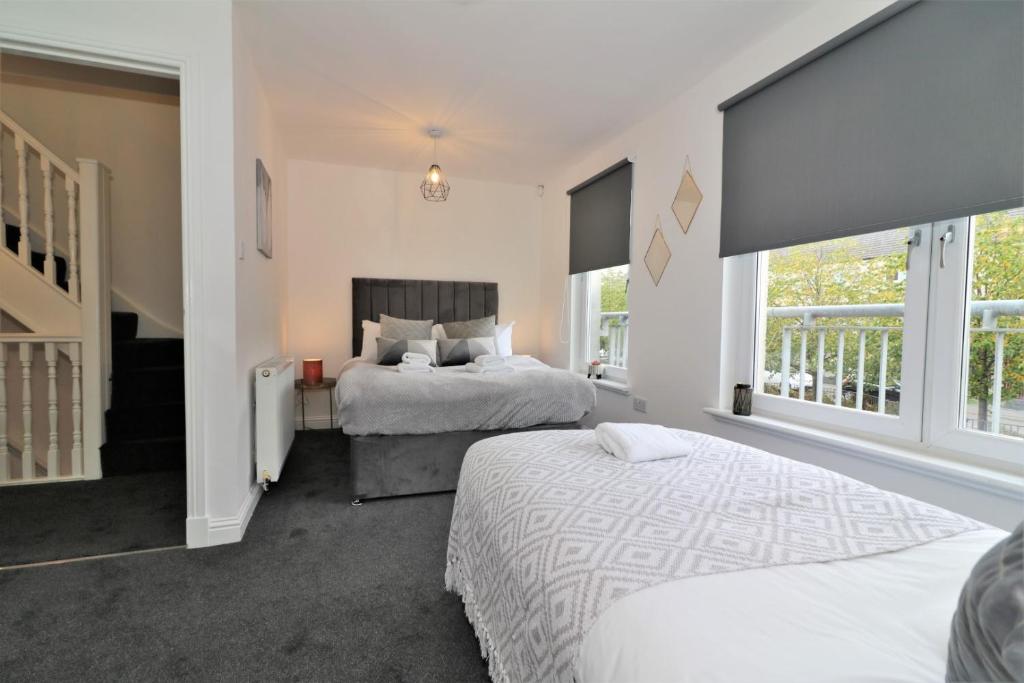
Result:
pixel 613 289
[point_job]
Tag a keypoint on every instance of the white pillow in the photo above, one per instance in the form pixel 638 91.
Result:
pixel 503 338
pixel 437 332
pixel 371 331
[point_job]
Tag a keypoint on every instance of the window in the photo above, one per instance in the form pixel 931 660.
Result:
pixel 602 320
pixel 863 332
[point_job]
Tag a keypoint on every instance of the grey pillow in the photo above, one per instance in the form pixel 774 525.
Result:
pixel 389 351
pixel 462 351
pixel 400 328
pixel 987 639
pixel 469 329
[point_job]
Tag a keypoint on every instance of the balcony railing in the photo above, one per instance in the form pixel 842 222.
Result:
pixel 614 334
pixel 884 392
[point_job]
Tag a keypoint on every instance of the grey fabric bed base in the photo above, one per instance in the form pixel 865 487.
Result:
pixel 407 464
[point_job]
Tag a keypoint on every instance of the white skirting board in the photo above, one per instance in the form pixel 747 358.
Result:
pixel 201 532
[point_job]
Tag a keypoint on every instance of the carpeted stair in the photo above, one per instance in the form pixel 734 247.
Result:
pixel 12 236
pixel 146 420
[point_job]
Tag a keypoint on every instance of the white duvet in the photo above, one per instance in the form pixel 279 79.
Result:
pixel 873 619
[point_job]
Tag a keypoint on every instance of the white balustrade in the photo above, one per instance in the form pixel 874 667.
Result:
pixel 24 443
pixel 615 326
pixel 24 246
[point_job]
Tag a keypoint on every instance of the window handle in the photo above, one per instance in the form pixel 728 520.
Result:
pixel 914 241
pixel 947 238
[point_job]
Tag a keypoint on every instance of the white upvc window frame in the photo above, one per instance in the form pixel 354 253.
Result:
pixel 586 313
pixel 935 323
pixel 905 426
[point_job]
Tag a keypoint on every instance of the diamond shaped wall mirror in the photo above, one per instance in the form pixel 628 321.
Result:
pixel 688 198
pixel 658 254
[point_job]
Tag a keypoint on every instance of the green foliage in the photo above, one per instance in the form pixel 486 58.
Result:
pixel 613 289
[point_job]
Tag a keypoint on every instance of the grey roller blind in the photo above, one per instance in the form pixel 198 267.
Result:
pixel 599 219
pixel 913 117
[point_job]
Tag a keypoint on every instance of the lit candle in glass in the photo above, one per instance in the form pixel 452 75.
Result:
pixel 312 371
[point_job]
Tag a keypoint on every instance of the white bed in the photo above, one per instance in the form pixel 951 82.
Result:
pixel 547 549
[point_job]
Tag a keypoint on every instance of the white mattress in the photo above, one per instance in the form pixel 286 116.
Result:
pixel 879 618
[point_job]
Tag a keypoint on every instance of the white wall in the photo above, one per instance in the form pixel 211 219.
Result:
pixel 198 36
pixel 676 345
pixel 130 122
pixel 346 222
pixel 260 282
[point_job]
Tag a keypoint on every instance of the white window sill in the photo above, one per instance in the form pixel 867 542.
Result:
pixel 612 386
pixel 983 478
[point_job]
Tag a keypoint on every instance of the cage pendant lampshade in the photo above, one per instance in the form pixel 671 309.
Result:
pixel 435 187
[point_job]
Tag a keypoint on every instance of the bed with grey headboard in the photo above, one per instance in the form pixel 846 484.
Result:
pixel 384 465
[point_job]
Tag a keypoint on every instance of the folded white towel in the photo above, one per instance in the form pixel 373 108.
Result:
pixel 641 442
pixel 421 368
pixel 413 357
pixel 489 359
pixel 473 367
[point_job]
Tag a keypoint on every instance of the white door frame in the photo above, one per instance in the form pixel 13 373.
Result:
pixel 182 68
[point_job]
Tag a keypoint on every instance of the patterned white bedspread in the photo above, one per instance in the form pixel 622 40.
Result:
pixel 376 399
pixel 548 531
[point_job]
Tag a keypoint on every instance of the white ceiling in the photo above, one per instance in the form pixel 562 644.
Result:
pixel 518 87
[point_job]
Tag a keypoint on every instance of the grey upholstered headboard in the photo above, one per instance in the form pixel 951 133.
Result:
pixel 439 300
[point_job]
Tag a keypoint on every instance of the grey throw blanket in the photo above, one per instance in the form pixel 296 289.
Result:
pixel 374 399
pixel 987 639
pixel 548 531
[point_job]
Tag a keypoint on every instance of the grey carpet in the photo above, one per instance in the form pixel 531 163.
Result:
pixel 72 519
pixel 318 590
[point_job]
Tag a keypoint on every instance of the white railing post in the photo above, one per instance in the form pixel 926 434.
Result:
pixel 787 343
pixel 24 246
pixel 997 384
pixel 5 472
pixel 94 215
pixel 49 266
pixel 840 349
pixel 28 465
pixel 819 377
pixel 883 362
pixel 75 352
pixel 52 450
pixel 803 358
pixel 860 369
pixel 73 289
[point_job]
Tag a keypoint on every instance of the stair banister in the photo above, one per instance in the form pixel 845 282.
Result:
pixel 24 246
pixel 94 225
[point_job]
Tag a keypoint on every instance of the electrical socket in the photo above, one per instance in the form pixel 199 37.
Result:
pixel 639 404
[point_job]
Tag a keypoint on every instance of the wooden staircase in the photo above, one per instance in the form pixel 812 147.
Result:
pixel 146 420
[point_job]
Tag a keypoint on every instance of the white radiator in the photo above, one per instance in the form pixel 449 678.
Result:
pixel 275 417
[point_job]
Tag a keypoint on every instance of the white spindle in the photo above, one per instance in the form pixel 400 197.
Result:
pixel 49 271
pixel 840 349
pixel 883 362
pixel 803 361
pixel 69 185
pixel 625 343
pixel 28 465
pixel 819 378
pixel 997 384
pixel 5 472
pixel 75 350
pixel 860 369
pixel 787 342
pixel 24 247
pixel 52 451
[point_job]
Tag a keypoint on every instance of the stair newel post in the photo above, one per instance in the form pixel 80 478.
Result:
pixel 75 352
pixel 5 472
pixel 24 246
pixel 94 259
pixel 52 449
pixel 49 269
pixel 73 289
pixel 28 465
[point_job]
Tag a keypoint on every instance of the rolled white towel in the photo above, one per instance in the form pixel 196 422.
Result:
pixel 419 358
pixel 416 368
pixel 489 369
pixel 490 359
pixel 641 442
